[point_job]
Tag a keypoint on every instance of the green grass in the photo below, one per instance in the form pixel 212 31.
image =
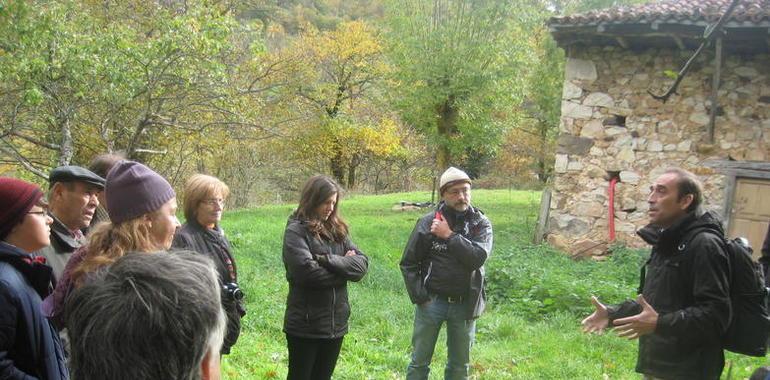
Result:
pixel 530 331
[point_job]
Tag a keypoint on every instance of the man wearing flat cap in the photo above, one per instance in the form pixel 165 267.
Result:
pixel 443 268
pixel 72 200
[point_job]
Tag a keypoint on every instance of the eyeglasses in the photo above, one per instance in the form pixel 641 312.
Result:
pixel 41 212
pixel 214 201
pixel 459 191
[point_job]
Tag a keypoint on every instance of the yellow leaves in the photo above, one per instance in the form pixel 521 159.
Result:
pixel 275 30
pixel 343 139
pixel 344 57
pixel 520 152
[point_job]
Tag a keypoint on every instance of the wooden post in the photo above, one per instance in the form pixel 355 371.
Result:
pixel 715 89
pixel 542 218
pixel 433 192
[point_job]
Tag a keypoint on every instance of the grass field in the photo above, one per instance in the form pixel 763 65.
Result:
pixel 530 331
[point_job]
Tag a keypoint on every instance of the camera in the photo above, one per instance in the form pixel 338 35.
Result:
pixel 232 290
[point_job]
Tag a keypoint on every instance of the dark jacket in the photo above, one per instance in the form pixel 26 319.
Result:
pixel 212 243
pixel 764 258
pixel 465 251
pixel 318 272
pixel 29 346
pixel 687 282
pixel 63 244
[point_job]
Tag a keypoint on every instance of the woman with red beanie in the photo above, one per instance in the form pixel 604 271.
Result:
pixel 29 346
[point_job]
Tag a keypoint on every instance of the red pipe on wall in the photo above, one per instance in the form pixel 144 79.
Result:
pixel 611 220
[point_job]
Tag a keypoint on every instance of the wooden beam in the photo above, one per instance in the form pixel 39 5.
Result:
pixel 679 42
pixel 727 211
pixel 737 165
pixel 750 173
pixel 542 218
pixel 715 88
pixel 622 42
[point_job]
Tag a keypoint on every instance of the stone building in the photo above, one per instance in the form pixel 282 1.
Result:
pixel 612 127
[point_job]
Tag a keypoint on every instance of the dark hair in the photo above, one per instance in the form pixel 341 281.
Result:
pixel 760 373
pixel 687 183
pixel 147 316
pixel 102 163
pixel 315 192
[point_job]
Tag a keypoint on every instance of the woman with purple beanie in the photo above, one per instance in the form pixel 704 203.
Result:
pixel 29 346
pixel 142 209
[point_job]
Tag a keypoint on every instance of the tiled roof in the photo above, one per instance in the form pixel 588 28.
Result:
pixel 671 11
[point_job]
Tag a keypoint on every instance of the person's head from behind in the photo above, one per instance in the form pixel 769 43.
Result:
pixel 319 204
pixel 204 199
pixel 761 373
pixel 74 195
pixel 24 222
pixel 673 194
pixel 101 165
pixel 148 316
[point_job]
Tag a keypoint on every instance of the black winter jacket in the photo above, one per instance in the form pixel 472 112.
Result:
pixel 212 243
pixel 765 257
pixel 465 252
pixel 688 285
pixel 318 272
pixel 29 346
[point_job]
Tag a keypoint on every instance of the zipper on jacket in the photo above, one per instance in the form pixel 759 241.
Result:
pixel 334 303
pixel 427 275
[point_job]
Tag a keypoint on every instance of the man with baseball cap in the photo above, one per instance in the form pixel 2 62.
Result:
pixel 72 200
pixel 443 268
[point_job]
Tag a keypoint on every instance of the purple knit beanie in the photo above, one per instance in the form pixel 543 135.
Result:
pixel 16 199
pixel 133 190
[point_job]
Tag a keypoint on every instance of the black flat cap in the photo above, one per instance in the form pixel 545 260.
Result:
pixel 71 173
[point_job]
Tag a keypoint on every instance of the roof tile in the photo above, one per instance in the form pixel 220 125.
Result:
pixel 676 11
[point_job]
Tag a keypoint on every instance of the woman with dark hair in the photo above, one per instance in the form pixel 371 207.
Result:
pixel 320 259
pixel 204 201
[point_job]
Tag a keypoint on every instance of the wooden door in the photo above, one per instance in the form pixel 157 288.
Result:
pixel 751 211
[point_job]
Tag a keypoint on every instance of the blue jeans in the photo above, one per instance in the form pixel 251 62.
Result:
pixel 460 332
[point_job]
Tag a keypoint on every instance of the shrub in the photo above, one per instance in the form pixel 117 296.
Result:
pixel 535 280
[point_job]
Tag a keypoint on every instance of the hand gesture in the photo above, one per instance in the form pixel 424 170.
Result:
pixel 440 227
pixel 641 324
pixel 597 321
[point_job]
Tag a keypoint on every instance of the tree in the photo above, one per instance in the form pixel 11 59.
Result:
pixel 49 65
pixel 330 77
pixel 457 70
pixel 534 140
pixel 80 78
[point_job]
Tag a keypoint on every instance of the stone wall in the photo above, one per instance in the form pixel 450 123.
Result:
pixel 610 123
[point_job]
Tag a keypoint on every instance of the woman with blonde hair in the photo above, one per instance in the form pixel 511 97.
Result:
pixel 142 209
pixel 204 202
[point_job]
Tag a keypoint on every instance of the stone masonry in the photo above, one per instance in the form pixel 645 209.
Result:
pixel 611 125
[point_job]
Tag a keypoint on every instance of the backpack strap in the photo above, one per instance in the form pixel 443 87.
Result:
pixel 683 243
pixel 690 236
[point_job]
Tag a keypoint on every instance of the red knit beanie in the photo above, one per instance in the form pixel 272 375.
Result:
pixel 16 199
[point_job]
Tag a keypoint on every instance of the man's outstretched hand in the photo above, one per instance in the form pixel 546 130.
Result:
pixel 641 324
pixel 598 321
